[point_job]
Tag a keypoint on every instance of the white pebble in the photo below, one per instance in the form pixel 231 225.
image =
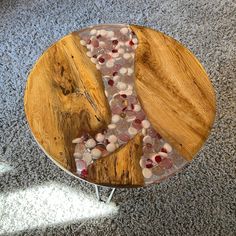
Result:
pixel 130 71
pixel 135 40
pixel 93 31
pixel 115 118
pixel 137 107
pixel 98 67
pixel 130 118
pixel 112 139
pixel 89 54
pixel 126 55
pixel 111 147
pixel 142 163
pixel 132 131
pixel 87 157
pixel 147 173
pixel 162 154
pixel 121 50
pixel 124 30
pixel 135 46
pixel 77 155
pixel 110 34
pixel 93 60
pixel 106 93
pixel 145 124
pixel 123 70
pixel 111 126
pixel 144 131
pixel 103 32
pixel 110 64
pixel 96 153
pixel 77 140
pixel 82 42
pixel 167 147
pixel 147 139
pixel 99 137
pixel 102 44
pixel 115 55
pixel 116 78
pixel 121 86
pixel 90 143
pixel 89 46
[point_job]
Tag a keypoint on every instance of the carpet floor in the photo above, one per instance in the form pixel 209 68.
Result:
pixel 38 198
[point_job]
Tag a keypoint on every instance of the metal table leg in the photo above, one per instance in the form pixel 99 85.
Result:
pixel 109 197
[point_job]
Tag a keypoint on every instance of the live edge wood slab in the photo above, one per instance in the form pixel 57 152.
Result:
pixel 64 97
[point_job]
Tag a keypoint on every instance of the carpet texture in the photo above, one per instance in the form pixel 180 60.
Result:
pixel 38 198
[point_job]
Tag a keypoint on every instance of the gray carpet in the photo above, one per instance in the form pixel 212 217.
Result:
pixel 37 198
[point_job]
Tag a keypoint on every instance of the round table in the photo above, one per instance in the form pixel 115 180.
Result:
pixel 119 105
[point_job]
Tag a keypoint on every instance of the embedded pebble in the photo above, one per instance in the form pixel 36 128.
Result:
pixel 110 64
pixel 126 55
pixel 130 71
pixel 147 139
pixel 167 147
pixel 93 31
pixel 123 70
pixel 132 131
pixel 137 107
pixel 99 137
pixel 90 143
pixel 111 147
pixel 87 157
pixel 112 139
pixel 96 153
pixel 162 154
pixel 115 118
pixel 77 140
pixel 111 126
pixel 124 30
pixel 82 42
pixel 121 85
pixel 89 54
pixel 145 124
pixel 147 173
pixel 80 165
pixel 77 155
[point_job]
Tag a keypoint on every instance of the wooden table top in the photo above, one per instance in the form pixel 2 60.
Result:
pixel 65 99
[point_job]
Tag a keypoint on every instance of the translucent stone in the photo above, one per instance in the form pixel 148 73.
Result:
pixel 166 163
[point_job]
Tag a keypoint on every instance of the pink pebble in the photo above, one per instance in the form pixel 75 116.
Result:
pixel 137 124
pixel 116 110
pixel 140 115
pixel 95 43
pixel 151 132
pixel 124 137
pixel 166 163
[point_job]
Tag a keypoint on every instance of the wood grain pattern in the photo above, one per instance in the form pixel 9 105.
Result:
pixel 121 168
pixel 64 97
pixel 174 91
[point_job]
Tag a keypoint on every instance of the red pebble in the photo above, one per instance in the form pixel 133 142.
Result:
pixel 99 36
pixel 123 95
pixel 149 166
pixel 163 150
pixel 114 50
pixel 131 43
pixel 137 121
pixel 95 56
pixel 115 73
pixel 84 172
pixel 111 82
pixel 101 60
pixel 115 42
pixel 158 159
pixel 89 41
pixel 132 106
